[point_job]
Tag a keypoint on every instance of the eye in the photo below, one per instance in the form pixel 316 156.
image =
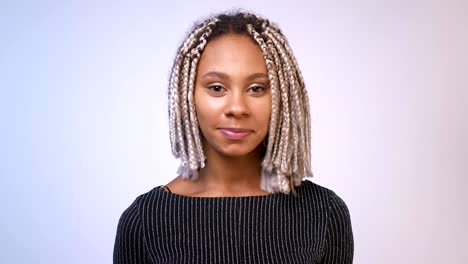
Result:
pixel 257 89
pixel 216 89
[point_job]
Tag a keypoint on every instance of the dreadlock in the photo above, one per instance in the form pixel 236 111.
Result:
pixel 287 158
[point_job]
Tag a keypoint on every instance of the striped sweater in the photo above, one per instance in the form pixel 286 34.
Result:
pixel 313 226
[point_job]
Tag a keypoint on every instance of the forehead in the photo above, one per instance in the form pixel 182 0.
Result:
pixel 232 53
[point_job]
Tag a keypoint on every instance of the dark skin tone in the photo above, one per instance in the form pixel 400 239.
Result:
pixel 231 91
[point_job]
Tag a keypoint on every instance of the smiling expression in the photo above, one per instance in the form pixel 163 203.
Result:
pixel 232 96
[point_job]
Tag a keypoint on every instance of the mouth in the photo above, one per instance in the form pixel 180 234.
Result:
pixel 235 133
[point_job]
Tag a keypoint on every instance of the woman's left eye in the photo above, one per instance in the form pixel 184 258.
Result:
pixel 257 89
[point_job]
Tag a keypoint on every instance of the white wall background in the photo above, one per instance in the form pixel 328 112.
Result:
pixel 83 119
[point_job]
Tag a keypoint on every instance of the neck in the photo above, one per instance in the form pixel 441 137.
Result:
pixel 233 175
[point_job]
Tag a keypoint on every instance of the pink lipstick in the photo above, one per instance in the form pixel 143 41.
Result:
pixel 235 133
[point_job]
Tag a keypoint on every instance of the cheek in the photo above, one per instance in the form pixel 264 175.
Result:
pixel 263 112
pixel 206 109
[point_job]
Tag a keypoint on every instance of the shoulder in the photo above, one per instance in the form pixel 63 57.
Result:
pixel 324 196
pixel 133 211
pixel 338 217
pixel 309 188
pixel 338 232
pixel 130 243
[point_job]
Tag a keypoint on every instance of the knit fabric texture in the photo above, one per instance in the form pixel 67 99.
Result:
pixel 311 226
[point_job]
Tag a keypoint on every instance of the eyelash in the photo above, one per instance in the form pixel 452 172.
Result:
pixel 257 86
pixel 251 88
pixel 213 86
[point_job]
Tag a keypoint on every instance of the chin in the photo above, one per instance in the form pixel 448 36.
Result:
pixel 237 152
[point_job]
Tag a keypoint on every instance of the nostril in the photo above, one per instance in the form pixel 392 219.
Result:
pixel 237 109
pixel 237 112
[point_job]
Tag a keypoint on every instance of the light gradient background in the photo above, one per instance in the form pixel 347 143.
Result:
pixel 84 127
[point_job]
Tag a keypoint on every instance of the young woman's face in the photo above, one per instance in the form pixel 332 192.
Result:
pixel 232 96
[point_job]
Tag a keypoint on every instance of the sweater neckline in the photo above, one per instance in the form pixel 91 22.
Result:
pixel 245 197
pixel 160 189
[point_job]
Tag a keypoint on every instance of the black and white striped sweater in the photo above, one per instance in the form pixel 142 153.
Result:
pixel 313 226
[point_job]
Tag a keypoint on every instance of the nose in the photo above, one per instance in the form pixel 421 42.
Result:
pixel 237 105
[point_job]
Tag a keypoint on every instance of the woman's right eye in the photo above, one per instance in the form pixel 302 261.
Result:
pixel 216 88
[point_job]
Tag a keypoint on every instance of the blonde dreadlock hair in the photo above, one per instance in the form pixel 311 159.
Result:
pixel 287 158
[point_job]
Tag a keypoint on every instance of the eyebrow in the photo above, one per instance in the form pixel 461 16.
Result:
pixel 223 75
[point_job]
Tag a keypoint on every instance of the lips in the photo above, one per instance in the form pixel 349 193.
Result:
pixel 235 133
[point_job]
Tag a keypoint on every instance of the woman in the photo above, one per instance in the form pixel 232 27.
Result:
pixel 240 123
